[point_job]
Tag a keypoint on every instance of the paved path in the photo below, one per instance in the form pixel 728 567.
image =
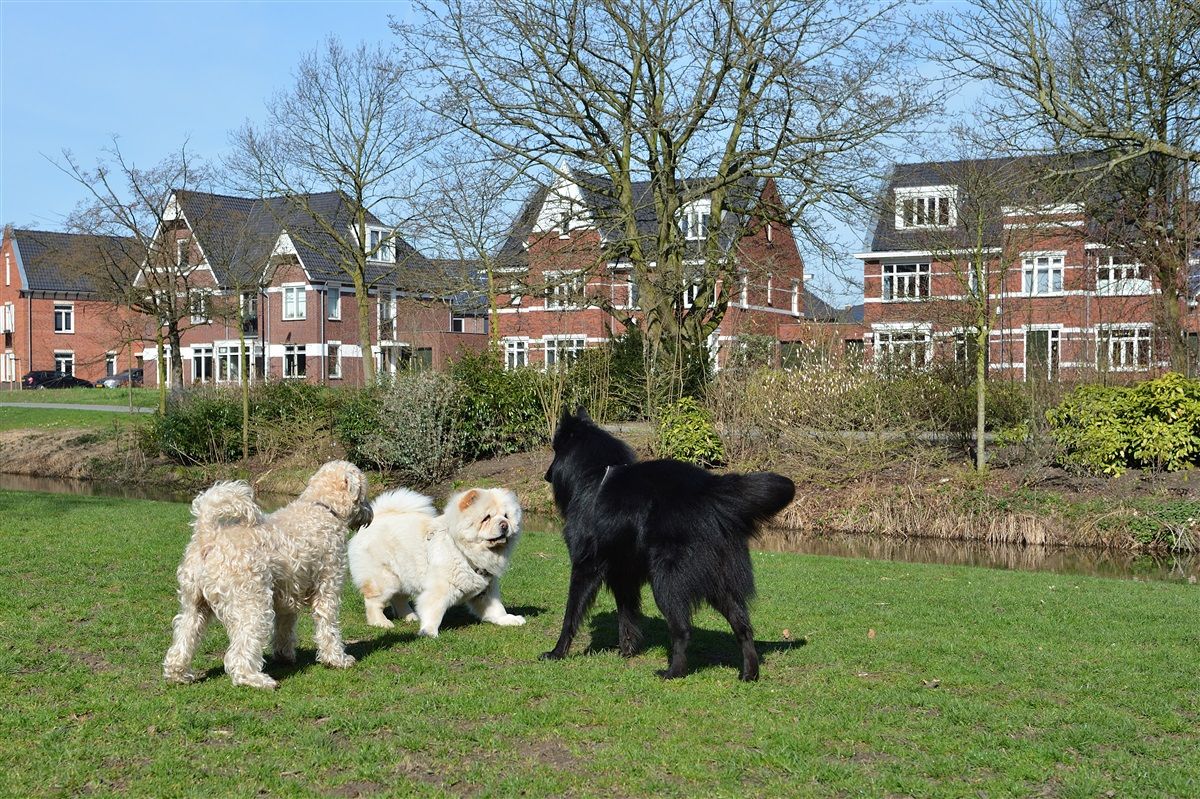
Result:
pixel 72 406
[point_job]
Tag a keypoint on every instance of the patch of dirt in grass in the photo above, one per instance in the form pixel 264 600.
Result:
pixel 555 755
pixel 95 663
pixel 357 788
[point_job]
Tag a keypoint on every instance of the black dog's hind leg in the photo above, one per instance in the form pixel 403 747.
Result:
pixel 676 609
pixel 585 582
pixel 734 611
pixel 628 594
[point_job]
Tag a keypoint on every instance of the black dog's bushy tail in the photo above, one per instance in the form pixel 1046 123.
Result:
pixel 758 496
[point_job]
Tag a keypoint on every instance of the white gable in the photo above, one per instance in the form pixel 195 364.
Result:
pixel 564 197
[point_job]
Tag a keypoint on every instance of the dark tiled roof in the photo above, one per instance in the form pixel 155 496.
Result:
pixel 267 218
pixel 990 183
pixel 65 262
pixel 818 310
pixel 599 198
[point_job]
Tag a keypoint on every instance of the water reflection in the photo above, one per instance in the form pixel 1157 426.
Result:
pixel 1062 560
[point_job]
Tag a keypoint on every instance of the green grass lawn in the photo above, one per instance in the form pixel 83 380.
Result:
pixel 55 419
pixel 142 397
pixel 922 681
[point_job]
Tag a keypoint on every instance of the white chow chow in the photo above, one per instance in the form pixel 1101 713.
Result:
pixel 409 553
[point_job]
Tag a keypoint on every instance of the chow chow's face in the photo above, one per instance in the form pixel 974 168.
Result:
pixel 489 517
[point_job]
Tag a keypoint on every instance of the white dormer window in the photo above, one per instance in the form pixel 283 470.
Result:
pixel 379 246
pixel 564 290
pixel 694 222
pixel 926 207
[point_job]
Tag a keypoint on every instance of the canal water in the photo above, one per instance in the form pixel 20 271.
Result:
pixel 1180 567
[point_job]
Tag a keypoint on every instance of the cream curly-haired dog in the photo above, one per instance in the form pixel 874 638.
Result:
pixel 255 573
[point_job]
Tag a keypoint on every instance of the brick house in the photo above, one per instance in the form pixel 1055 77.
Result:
pixel 561 280
pixel 51 316
pixel 300 313
pixel 1060 300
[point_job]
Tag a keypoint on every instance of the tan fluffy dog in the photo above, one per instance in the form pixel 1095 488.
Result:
pixel 437 562
pixel 255 573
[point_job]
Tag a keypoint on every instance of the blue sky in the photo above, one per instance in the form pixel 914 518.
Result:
pixel 73 74
pixel 155 73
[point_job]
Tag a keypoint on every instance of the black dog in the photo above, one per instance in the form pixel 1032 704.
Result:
pixel 674 525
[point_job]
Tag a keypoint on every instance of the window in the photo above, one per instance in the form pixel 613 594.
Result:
pixel 294 360
pixel 422 359
pixel 64 361
pixel 770 290
pixel 64 317
pixel 695 224
pixel 564 291
pixel 925 207
pixel 905 282
pixel 229 365
pixel 1041 354
pixel 1117 274
pixel 795 296
pixel 690 294
pixel 295 303
pixel 379 246
pixel 456 324
pixel 909 348
pixel 1043 274
pixel 966 349
pixel 8 318
pixel 333 303
pixel 8 367
pixel 199 307
pixel 333 359
pixel 770 234
pixel 561 350
pixel 1123 349
pixel 182 251
pixel 387 317
pixel 202 364
pixel 7 269
pixel 110 364
pixel 744 280
pixel 516 353
pixel 249 302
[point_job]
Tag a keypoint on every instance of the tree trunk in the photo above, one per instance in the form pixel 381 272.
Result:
pixel 363 303
pixel 244 373
pixel 982 336
pixel 160 364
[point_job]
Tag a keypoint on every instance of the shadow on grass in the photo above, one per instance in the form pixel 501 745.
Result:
pixel 307 658
pixel 707 648
pixel 459 616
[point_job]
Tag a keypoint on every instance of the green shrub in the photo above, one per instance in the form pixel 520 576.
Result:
pixel 416 435
pixel 498 411
pixel 203 425
pixel 1107 429
pixel 355 419
pixel 686 432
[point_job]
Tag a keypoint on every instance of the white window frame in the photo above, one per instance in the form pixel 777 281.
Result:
pixel 905 286
pixel 1132 341
pixel 110 364
pixel 7 269
pixel 227 362
pixel 333 303
pixel 64 358
pixel 554 349
pixel 67 311
pixel 295 352
pixel 1124 275
pixel 333 358
pixel 796 296
pixel 202 301
pixel 388 311
pixel 182 250
pixel 8 318
pixel 8 367
pixel 295 302
pixel 516 352
pixel 385 241
pixel 890 342
pixel 938 199
pixel 1054 341
pixel 564 290
pixel 696 220
pixel 744 289
pixel 1033 264
pixel 204 355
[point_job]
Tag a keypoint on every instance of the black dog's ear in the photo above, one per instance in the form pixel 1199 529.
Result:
pixel 566 416
pixel 582 414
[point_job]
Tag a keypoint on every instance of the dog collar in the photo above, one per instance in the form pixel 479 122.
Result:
pixel 326 507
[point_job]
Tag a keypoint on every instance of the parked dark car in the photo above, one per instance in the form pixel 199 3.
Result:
pixel 120 379
pixel 46 379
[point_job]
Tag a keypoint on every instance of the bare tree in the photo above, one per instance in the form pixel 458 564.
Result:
pixel 237 239
pixel 1117 80
pixel 345 127
pixel 700 99
pixel 153 269
pixel 466 212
